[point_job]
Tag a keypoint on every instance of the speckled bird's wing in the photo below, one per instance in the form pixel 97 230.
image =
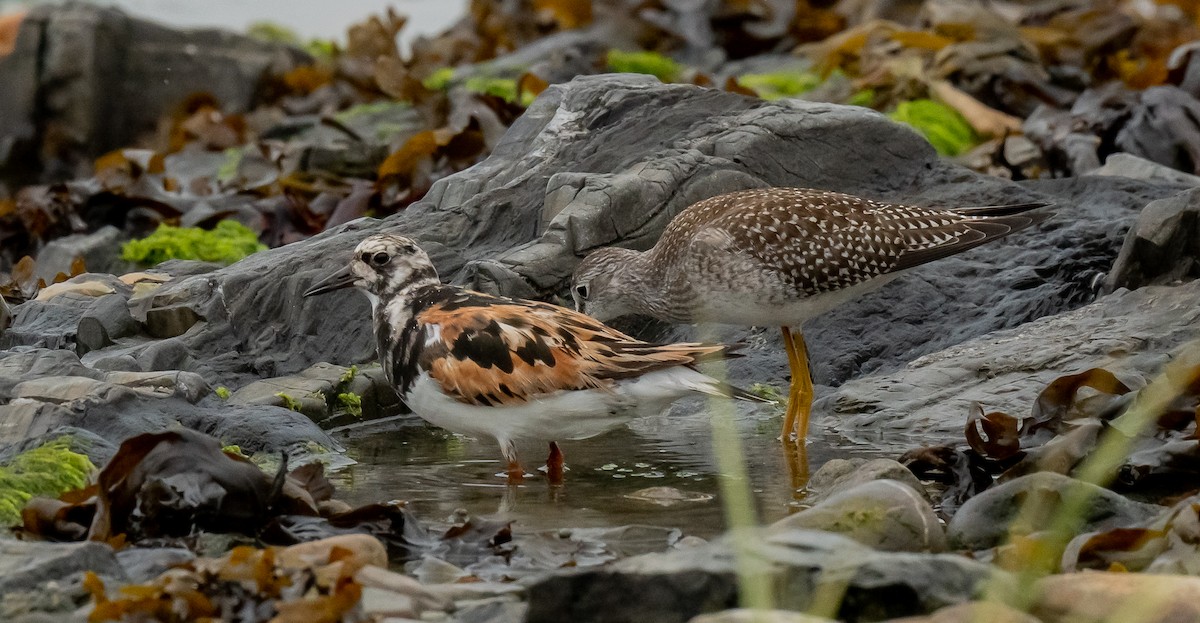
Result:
pixel 488 350
pixel 810 241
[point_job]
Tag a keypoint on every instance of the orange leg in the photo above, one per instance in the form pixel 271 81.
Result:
pixel 800 394
pixel 515 474
pixel 554 465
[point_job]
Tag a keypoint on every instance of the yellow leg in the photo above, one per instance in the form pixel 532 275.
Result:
pixel 800 394
pixel 795 455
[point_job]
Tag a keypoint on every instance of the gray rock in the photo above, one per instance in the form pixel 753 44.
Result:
pixel 122 413
pixel 317 392
pixel 377 398
pixel 101 78
pixel 43 581
pixel 5 316
pixel 61 389
pixel 986 520
pixel 838 475
pixel 142 564
pixel 305 395
pixel 28 364
pixel 30 565
pixel 98 449
pixel 58 376
pixel 106 320
pixel 883 514
pixel 1163 246
pixel 927 401
pixel 170 321
pixel 57 391
pixel 186 385
pixel 974 612
pixel 800 565
pixel 1122 164
pixel 99 250
pixel 48 324
pixel 54 321
pixel 1164 128
pixel 168 354
pixel 745 615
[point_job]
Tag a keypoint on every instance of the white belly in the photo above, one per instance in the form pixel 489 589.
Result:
pixel 563 415
pixel 729 307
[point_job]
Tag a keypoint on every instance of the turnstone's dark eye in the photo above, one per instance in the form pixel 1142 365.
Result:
pixel 380 259
pixel 582 291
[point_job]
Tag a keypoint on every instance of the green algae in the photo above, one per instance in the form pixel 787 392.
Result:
pixel 289 402
pixel 226 243
pixel 351 402
pixel 47 470
pixel 776 85
pixel 640 62
pixel 439 80
pixel 944 127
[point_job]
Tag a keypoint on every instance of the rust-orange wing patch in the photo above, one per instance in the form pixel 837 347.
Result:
pixel 507 352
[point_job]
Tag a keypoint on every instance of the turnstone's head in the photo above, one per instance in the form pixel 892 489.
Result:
pixel 603 286
pixel 382 266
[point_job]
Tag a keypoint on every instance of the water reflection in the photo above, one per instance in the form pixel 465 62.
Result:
pixel 438 472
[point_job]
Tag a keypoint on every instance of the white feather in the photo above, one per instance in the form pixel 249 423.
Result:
pixel 562 415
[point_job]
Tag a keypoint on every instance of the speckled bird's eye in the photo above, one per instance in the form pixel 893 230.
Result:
pixel 381 258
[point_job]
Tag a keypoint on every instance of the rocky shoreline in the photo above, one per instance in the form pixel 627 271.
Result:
pixel 236 353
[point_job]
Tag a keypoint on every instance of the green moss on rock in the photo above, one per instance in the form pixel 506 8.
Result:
pixel 351 402
pixel 289 402
pixel 226 243
pixel 640 62
pixel 504 88
pixel 772 86
pixel 439 79
pixel 944 127
pixel 47 470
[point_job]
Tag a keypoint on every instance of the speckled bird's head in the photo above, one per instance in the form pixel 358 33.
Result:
pixel 602 286
pixel 382 266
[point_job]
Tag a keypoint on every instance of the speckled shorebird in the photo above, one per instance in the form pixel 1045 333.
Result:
pixel 778 257
pixel 511 369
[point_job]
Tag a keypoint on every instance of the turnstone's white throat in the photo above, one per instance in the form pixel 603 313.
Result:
pixel 778 257
pixel 511 369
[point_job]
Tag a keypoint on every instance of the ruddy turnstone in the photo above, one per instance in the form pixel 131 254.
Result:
pixel 511 369
pixel 778 257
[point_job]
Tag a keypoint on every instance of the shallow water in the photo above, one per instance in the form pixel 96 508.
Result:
pixel 438 472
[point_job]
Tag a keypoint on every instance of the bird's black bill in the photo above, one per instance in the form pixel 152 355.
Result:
pixel 341 279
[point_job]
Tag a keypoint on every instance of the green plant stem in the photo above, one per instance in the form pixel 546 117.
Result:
pixel 737 498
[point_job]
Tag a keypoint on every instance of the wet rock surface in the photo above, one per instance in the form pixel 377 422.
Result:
pixel 1163 247
pixel 883 514
pixel 991 517
pixel 237 353
pixel 45 390
pixel 1127 331
pixel 679 585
